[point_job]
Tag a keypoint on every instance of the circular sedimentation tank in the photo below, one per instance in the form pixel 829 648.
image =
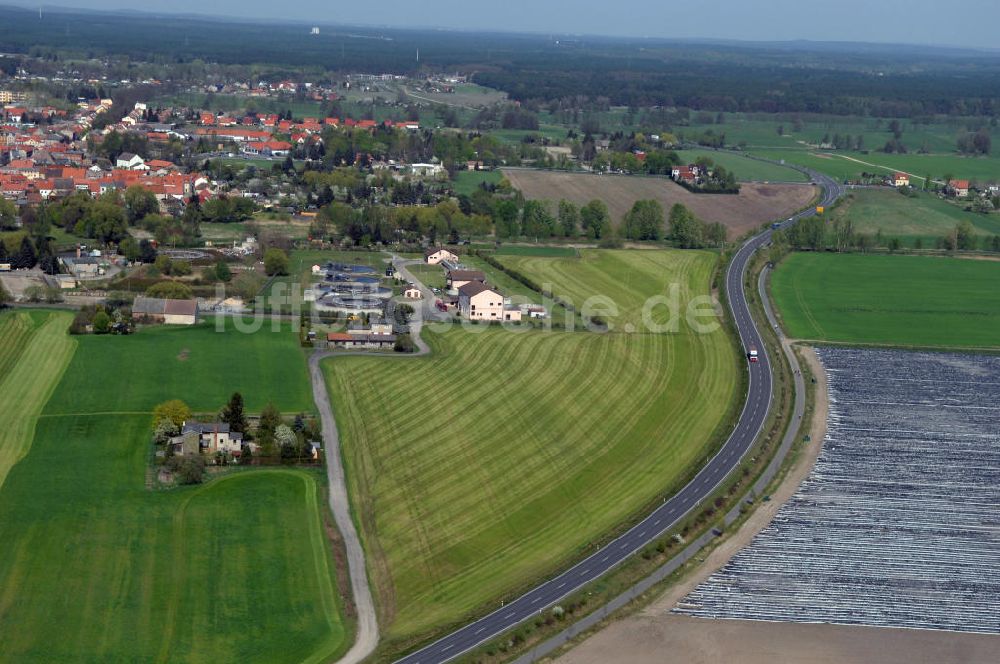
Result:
pixel 348 303
pixel 348 269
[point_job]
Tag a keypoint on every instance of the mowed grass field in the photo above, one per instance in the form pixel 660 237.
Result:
pixel 896 300
pixel 544 251
pixel 504 455
pixel 753 206
pixel 627 280
pixel 34 352
pixel 925 217
pixel 202 366
pixel 96 567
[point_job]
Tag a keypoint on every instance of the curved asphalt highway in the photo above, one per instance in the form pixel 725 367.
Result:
pixel 665 516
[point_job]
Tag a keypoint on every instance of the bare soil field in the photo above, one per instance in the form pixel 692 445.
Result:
pixel 754 205
pixel 649 640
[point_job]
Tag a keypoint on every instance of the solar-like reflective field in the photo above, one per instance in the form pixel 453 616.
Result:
pixel 899 523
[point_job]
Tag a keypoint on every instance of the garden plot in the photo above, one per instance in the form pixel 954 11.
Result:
pixel 898 525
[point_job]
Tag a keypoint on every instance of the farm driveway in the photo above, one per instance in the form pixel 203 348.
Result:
pixel 367 632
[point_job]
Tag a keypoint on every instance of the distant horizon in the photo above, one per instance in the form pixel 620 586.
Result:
pixel 218 11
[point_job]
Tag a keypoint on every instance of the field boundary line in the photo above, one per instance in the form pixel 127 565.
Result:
pixel 993 350
pixel 98 413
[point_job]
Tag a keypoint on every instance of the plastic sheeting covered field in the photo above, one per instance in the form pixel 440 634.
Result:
pixel 899 523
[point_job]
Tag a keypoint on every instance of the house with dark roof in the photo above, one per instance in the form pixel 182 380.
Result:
pixel 214 437
pixel 458 278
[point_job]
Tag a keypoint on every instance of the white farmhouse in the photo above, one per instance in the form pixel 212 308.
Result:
pixel 477 301
pixel 131 162
pixel 437 255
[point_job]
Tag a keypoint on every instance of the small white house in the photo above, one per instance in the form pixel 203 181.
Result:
pixel 412 293
pixel 437 255
pixel 131 162
pixel 427 170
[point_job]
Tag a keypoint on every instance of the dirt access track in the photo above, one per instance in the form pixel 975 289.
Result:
pixel 756 204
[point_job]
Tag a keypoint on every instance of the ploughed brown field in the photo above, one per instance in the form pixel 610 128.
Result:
pixel 756 204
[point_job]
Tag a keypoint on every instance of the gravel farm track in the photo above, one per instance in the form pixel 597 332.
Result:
pixel 756 204
pixel 367 635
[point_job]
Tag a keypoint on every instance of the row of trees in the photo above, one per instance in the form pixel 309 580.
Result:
pixel 534 219
pixel 814 234
pixel 107 218
pixel 975 143
pixel 29 254
pixel 510 216
pixel 645 221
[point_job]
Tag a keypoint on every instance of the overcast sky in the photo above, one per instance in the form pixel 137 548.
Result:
pixel 971 23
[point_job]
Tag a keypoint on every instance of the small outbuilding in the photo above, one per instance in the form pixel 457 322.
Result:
pixel 168 312
pixel 413 293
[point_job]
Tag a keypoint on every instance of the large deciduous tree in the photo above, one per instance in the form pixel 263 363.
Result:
pixel 569 218
pixel 174 410
pixel 595 220
pixel 140 202
pixel 8 215
pixel 275 262
pixel 644 221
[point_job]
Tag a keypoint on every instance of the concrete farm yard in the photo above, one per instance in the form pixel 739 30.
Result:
pixel 503 456
pixel 236 569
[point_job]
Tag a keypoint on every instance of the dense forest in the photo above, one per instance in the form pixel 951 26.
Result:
pixel 844 79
